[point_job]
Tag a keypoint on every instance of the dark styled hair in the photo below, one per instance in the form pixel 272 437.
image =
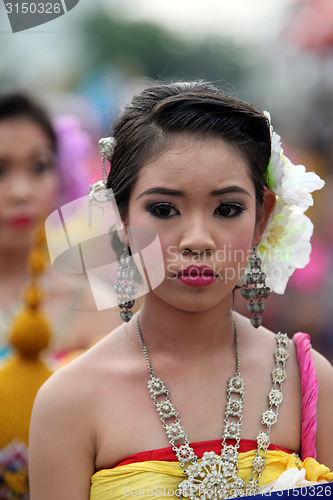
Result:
pixel 197 108
pixel 20 105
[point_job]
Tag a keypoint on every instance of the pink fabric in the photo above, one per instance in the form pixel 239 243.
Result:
pixel 309 395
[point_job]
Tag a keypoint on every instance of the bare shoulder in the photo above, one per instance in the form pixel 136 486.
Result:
pixel 59 389
pixel 61 435
pixel 62 442
pixel 264 338
pixel 324 372
pixel 65 396
pixel 259 349
pixel 73 387
pixel 105 354
pixel 324 368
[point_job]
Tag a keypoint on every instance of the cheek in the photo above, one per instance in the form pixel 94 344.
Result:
pixel 242 242
pixel 239 250
pixel 169 241
pixel 48 192
pixel 138 217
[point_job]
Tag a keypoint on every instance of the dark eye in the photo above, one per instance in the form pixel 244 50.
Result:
pixel 229 210
pixel 163 210
pixel 42 166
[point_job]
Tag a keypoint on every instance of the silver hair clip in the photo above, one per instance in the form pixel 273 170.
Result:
pixel 106 146
pixel 98 194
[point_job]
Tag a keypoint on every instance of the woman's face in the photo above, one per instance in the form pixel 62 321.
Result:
pixel 199 197
pixel 28 181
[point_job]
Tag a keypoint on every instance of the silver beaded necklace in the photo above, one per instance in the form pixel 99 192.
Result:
pixel 215 477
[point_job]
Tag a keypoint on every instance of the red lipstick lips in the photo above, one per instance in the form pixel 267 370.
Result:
pixel 198 276
pixel 21 221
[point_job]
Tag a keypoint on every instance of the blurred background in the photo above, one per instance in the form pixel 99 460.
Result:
pixel 276 55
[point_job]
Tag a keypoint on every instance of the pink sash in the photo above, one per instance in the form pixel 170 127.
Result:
pixel 309 395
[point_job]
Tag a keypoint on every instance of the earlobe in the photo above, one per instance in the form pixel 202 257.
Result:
pixel 123 234
pixel 122 230
pixel 263 215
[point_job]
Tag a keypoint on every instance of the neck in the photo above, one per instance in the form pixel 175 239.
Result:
pixel 197 333
pixel 14 275
pixel 13 263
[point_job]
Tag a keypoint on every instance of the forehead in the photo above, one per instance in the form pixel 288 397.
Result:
pixel 190 161
pixel 21 132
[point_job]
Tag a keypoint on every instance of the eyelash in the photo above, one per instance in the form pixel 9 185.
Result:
pixel 153 210
pixel 42 166
pixel 237 207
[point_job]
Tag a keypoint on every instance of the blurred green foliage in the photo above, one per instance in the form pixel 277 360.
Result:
pixel 144 49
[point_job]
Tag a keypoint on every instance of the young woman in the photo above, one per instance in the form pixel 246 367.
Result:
pixel 31 183
pixel 190 163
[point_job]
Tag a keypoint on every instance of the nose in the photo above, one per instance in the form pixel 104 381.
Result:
pixel 20 189
pixel 197 238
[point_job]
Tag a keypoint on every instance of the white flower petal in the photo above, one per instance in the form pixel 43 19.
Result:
pixel 297 185
pixel 286 240
pixel 290 478
pixel 285 245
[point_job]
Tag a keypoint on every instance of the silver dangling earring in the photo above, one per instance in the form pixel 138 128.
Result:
pixel 125 287
pixel 255 289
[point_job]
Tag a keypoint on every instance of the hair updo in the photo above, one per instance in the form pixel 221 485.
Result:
pixel 18 105
pixel 197 108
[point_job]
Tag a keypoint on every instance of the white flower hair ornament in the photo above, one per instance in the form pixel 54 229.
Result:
pixel 285 245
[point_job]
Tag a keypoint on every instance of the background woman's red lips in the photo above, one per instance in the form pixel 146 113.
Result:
pixel 20 221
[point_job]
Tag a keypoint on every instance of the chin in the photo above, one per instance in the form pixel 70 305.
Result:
pixel 16 241
pixel 192 299
pixel 201 307
pixel 192 304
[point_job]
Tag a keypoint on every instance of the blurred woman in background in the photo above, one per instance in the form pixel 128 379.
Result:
pixel 46 317
pixel 31 185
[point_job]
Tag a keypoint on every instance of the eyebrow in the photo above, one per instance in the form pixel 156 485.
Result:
pixel 176 192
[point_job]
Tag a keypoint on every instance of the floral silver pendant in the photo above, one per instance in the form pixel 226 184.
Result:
pixel 213 478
